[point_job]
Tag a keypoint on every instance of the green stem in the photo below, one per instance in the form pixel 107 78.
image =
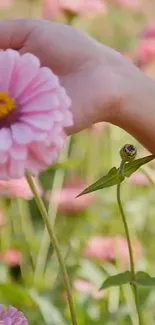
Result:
pixel 26 227
pixel 132 266
pixel 54 241
pixel 52 212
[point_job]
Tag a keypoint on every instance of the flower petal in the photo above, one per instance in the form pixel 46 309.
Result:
pixel 3 157
pixel 44 154
pixel 5 139
pixel 41 103
pixel 45 81
pixel 68 119
pixel 41 121
pixel 19 152
pixel 33 165
pixel 4 172
pixel 26 72
pixel 8 59
pixel 22 133
pixel 16 168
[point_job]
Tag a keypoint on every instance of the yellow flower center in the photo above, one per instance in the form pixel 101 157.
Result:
pixel 7 104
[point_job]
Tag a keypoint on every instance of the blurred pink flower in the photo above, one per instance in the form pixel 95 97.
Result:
pixel 130 4
pixel 33 114
pixel 111 248
pixel 100 248
pixel 149 32
pixel 17 188
pixel 145 51
pixel 138 178
pixel 5 4
pixel 87 288
pixel 121 251
pixel 11 257
pixel 53 8
pixel 66 197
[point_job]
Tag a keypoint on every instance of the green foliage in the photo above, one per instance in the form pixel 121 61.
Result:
pixel 41 295
pixel 117 280
pixel 145 280
pixel 113 178
pixel 15 295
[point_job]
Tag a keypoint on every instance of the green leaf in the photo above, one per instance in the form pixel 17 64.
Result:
pixel 66 164
pixel 113 178
pixel 144 279
pixel 49 312
pixel 132 166
pixel 117 280
pixel 110 179
pixel 15 295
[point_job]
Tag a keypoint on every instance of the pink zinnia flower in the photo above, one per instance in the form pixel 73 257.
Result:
pixel 33 114
pixel 100 247
pixel 66 197
pixel 130 4
pixel 53 8
pixel 88 288
pixel 111 248
pixel 5 4
pixel 18 188
pixel 11 257
pixel 149 31
pixel 83 7
pixel 145 51
pixel 122 252
pixel 138 178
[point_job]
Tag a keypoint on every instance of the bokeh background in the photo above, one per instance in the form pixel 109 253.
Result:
pixel 89 229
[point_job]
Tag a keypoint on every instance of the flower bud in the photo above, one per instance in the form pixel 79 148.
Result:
pixel 128 152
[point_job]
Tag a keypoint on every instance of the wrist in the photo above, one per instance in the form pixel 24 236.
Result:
pixel 137 114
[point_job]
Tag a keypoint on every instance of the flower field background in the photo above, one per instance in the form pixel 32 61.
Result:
pixel 89 228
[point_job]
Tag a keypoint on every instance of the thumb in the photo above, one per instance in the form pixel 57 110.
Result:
pixel 15 32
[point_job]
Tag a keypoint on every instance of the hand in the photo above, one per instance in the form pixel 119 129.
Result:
pixel 103 85
pixel 90 72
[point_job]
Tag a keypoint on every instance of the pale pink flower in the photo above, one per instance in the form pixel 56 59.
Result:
pixel 122 252
pixel 53 8
pixel 111 248
pixel 138 178
pixel 83 7
pixel 66 197
pixel 100 247
pixel 33 114
pixel 130 4
pixel 85 287
pixel 145 51
pixel 149 31
pixel 5 4
pixel 11 257
pixel 18 188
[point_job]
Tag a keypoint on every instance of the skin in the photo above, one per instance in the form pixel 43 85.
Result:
pixel 103 85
